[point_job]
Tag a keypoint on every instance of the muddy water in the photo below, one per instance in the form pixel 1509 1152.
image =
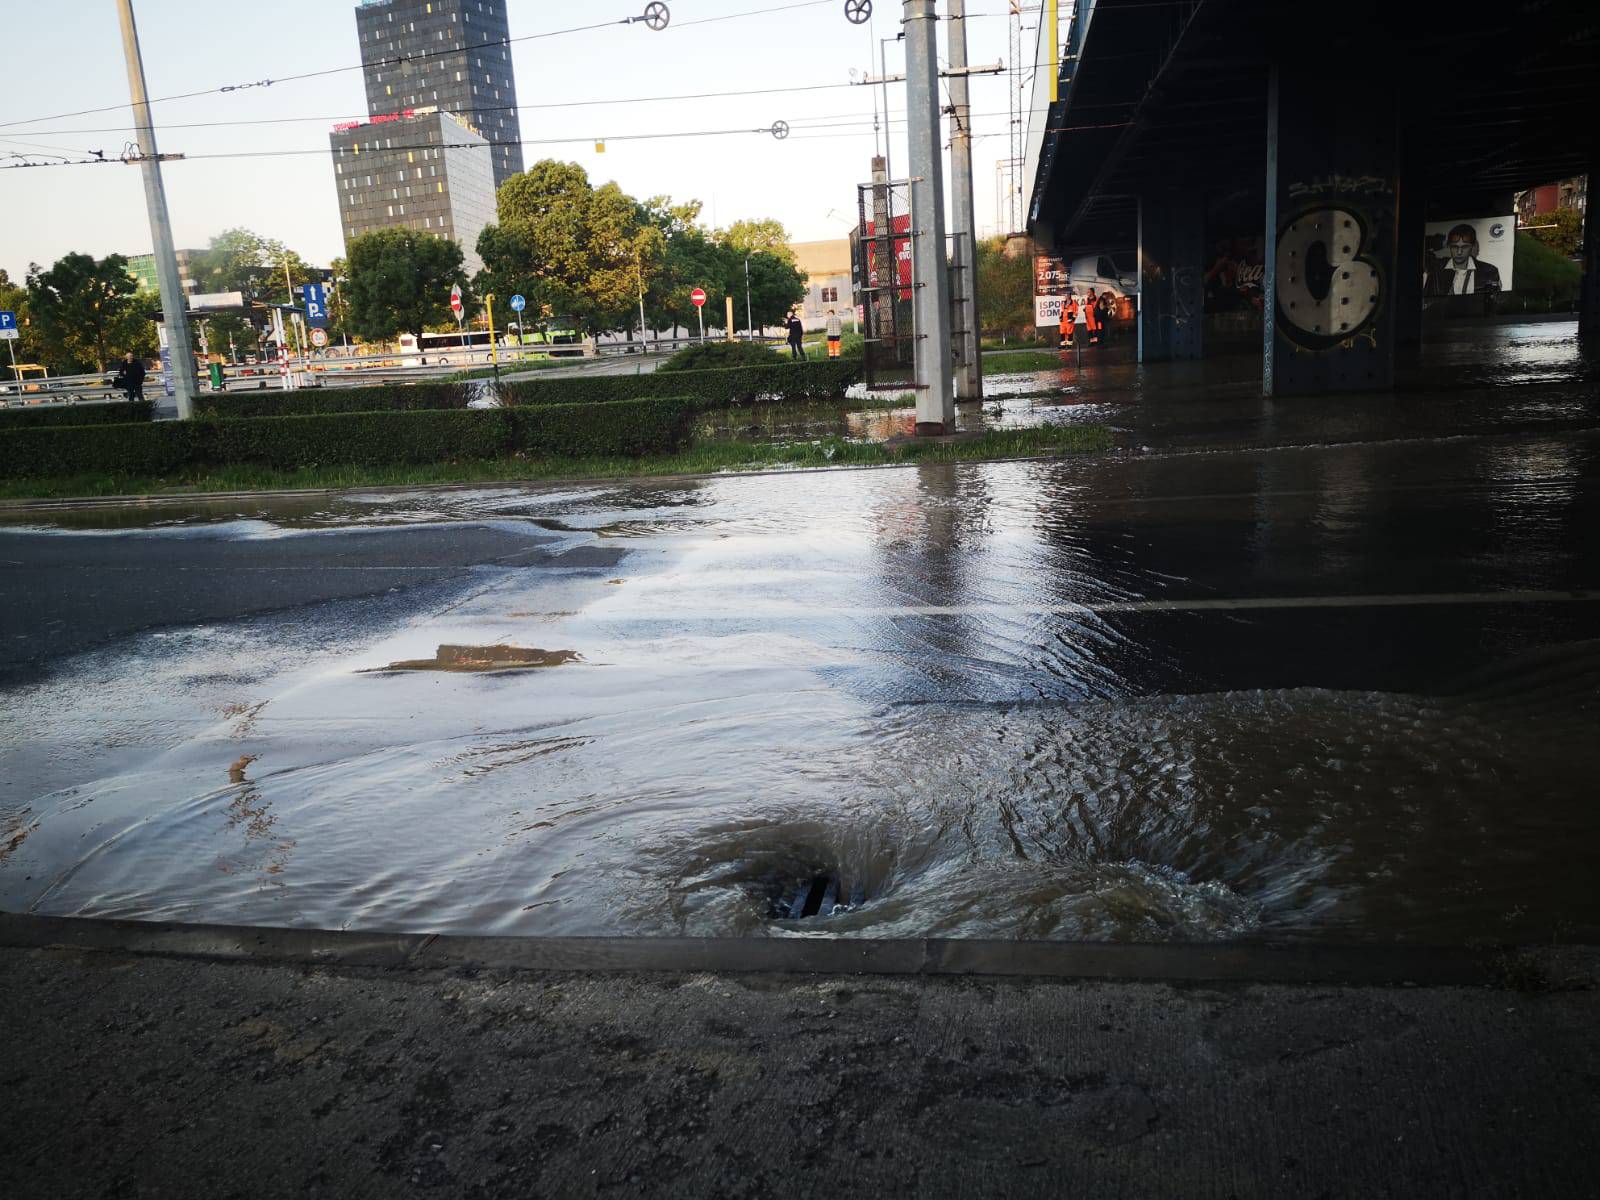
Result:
pixel 989 699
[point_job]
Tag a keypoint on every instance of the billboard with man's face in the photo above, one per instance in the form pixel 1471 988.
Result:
pixel 1468 258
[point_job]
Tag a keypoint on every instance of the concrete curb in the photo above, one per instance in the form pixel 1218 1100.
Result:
pixel 1254 962
pixel 162 498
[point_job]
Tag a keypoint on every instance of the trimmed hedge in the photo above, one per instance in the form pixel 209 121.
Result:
pixel 117 412
pixel 622 429
pixel 708 389
pixel 385 397
pixel 712 356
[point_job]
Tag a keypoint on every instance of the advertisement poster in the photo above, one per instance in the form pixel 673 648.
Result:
pixel 1468 258
pixel 1050 286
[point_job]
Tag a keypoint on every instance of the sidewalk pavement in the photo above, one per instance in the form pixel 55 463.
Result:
pixel 146 1074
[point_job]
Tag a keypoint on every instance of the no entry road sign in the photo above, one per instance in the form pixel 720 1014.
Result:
pixel 698 296
pixel 455 300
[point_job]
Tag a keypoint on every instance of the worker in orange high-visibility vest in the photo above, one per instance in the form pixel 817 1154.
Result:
pixel 1091 317
pixel 1069 318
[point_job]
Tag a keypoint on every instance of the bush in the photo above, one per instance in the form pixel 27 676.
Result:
pixel 817 380
pixel 1544 271
pixel 118 412
pixel 625 428
pixel 385 397
pixel 704 356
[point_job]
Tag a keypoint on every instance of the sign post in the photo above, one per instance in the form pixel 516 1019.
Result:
pixel 494 351
pixel 698 299
pixel 9 332
pixel 517 305
pixel 455 307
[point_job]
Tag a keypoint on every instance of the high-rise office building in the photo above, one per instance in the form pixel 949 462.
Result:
pixel 445 54
pixel 427 171
pixel 443 130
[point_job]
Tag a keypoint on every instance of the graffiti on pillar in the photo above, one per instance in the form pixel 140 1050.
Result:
pixel 1329 293
pixel 1234 279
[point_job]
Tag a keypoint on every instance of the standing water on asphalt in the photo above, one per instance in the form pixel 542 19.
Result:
pixel 1041 699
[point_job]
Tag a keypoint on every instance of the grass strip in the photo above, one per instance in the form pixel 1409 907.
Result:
pixel 1014 361
pixel 707 457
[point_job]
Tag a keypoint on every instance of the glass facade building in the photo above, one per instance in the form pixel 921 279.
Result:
pixel 427 172
pixel 432 54
pixel 443 132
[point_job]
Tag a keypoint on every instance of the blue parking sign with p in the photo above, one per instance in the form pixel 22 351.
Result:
pixel 316 299
pixel 8 324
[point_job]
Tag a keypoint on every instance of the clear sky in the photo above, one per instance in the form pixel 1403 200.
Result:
pixel 66 57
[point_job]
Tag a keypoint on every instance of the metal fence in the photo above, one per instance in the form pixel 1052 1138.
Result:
pixel 885 281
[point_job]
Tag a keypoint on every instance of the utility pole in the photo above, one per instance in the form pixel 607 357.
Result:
pixel 936 409
pixel 964 268
pixel 174 309
pixel 749 329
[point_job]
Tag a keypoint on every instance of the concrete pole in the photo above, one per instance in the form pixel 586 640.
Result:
pixel 964 257
pixel 174 304
pixel 936 406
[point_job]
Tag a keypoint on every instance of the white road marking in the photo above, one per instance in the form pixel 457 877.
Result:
pixel 1233 604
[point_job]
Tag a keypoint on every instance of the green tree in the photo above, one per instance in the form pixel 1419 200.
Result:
pixel 580 250
pixel 88 312
pixel 1005 290
pixel 766 234
pixel 14 298
pixel 776 286
pixel 400 282
pixel 241 260
pixel 1561 230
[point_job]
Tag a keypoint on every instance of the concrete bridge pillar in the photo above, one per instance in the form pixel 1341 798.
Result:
pixel 1171 275
pixel 1333 195
pixel 1589 296
pixel 1408 255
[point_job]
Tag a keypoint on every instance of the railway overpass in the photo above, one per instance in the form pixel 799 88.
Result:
pixel 1329 135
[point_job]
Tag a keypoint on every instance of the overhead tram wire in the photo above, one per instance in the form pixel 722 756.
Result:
pixel 401 59
pixel 805 87
pixel 802 130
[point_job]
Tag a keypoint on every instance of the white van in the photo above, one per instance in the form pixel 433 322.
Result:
pixel 1114 272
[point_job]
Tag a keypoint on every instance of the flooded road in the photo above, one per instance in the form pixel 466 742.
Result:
pixel 1295 686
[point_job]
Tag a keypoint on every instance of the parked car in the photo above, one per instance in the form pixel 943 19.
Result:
pixel 1116 272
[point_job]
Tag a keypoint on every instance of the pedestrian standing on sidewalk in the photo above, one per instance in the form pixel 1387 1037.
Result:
pixel 1090 307
pixel 835 332
pixel 797 335
pixel 130 377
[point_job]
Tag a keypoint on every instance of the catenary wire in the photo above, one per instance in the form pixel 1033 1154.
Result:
pixel 400 59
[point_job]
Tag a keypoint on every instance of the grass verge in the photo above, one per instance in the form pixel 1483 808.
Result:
pixel 1013 361
pixel 704 458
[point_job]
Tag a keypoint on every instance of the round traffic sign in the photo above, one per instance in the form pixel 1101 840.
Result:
pixel 455 299
pixel 698 297
pixel 319 337
pixel 518 304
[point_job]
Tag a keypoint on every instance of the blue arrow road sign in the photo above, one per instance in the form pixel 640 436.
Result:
pixel 518 304
pixel 316 299
pixel 8 324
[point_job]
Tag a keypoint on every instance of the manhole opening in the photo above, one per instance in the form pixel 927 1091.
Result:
pixel 820 895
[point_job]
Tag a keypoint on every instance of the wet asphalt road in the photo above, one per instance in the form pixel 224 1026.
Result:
pixel 1268 670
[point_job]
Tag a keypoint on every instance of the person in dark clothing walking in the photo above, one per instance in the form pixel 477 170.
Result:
pixel 130 377
pixel 797 335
